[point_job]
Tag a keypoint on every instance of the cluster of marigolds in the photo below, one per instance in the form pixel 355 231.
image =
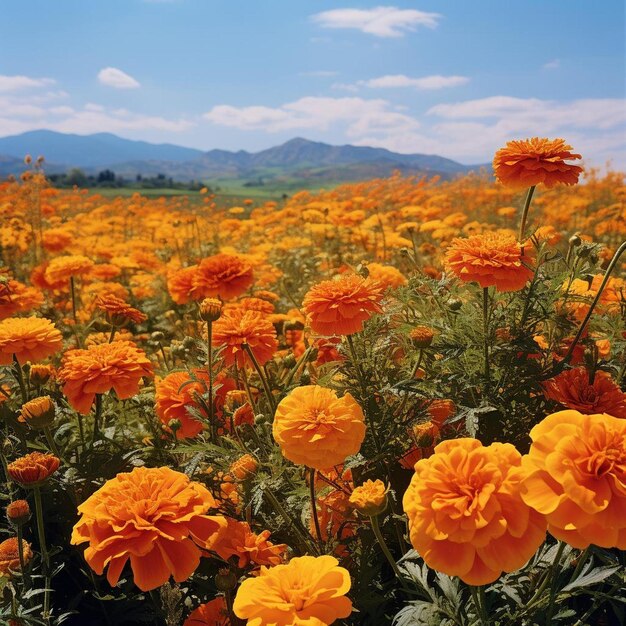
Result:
pixel 119 331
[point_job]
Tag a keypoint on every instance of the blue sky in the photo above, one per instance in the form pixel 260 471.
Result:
pixel 450 77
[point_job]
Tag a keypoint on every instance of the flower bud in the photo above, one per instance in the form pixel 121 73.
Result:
pixel 18 512
pixel 575 240
pixel 370 498
pixel 38 413
pixel 210 309
pixel 225 579
pixel 40 374
pixel 244 467
pixel 422 336
pixel 454 304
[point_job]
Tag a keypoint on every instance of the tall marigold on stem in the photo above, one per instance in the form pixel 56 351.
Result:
pixel 341 306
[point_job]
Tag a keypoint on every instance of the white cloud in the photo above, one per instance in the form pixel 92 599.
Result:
pixel 354 116
pixel 382 21
pixel 392 81
pixel 320 73
pixel 552 65
pixel 113 77
pixel 18 83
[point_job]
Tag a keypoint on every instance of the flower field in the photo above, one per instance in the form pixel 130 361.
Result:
pixel 395 402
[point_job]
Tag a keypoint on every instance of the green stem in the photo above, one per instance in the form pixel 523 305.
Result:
pixel 73 292
pixel 19 374
pixel 383 546
pixel 318 530
pixel 44 553
pixel 51 442
pixel 112 334
pixel 478 596
pixel 522 226
pixel 209 345
pixel 486 335
pixel 96 417
pixel 259 371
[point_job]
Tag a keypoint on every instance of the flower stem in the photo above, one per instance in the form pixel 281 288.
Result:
pixel 486 335
pixel 51 442
pixel 209 346
pixel 522 226
pixel 19 374
pixel 383 546
pixel 96 417
pixel 478 596
pixel 44 553
pixel 73 292
pixel 318 530
pixel 259 371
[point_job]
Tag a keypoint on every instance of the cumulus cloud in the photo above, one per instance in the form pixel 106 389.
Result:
pixel 113 77
pixel 354 116
pixel 18 83
pixel 382 21
pixel 392 81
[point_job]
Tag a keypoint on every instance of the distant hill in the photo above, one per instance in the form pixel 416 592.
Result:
pixel 296 159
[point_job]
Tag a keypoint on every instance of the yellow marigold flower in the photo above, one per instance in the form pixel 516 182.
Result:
pixel 307 590
pixel 575 475
pixel 466 515
pixel 370 498
pixel 316 428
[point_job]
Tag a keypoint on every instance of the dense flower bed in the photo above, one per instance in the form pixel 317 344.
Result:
pixel 399 401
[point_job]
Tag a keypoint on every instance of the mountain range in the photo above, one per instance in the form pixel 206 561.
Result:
pixel 298 158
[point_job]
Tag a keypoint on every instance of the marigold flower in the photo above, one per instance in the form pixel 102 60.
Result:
pixel 119 312
pixel 573 390
pixel 370 498
pixel 466 517
pixel 222 276
pixel 10 556
pixel 62 268
pixel 28 339
pixel 40 374
pixel 180 284
pixel 386 275
pixel 33 469
pixel 16 297
pixel 210 309
pixel 575 475
pixel 119 366
pixel 244 467
pixel 213 613
pixel 38 412
pixel 316 428
pixel 343 305
pixel 529 162
pixel 439 410
pixel 18 512
pixel 307 590
pixel 421 336
pixel 155 517
pixel 237 328
pixel 239 541
pixel 490 259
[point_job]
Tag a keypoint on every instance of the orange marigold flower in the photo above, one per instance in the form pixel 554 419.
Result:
pixel 386 275
pixel 62 268
pixel 18 512
pixel 119 366
pixel 155 517
pixel 575 475
pixel 213 613
pixel 490 259
pixel 316 428
pixel 529 162
pixel 119 312
pixel 41 374
pixel 223 275
pixel 28 339
pixel 38 412
pixel 370 498
pixel 15 297
pixel 240 542
pixel 466 517
pixel 33 469
pixel 180 284
pixel 307 590
pixel 573 390
pixel 179 390
pixel 441 410
pixel 244 467
pixel 237 327
pixel 10 556
pixel 343 305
